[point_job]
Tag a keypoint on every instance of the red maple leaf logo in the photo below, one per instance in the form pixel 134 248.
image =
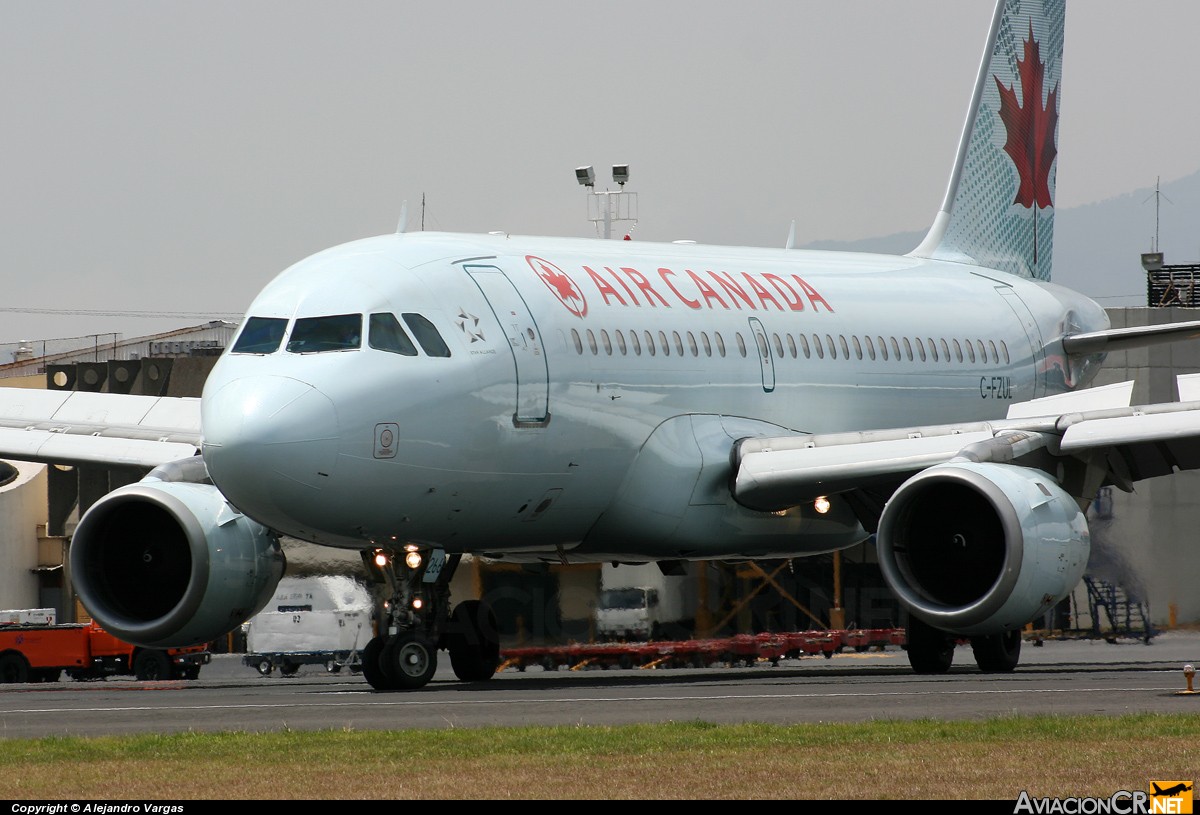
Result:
pixel 562 286
pixel 1030 127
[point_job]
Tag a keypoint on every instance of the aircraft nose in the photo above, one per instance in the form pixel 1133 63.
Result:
pixel 269 441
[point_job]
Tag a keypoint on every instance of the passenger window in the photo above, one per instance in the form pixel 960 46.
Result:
pixel 791 345
pixel 895 348
pixel 427 335
pixel 678 343
pixel 845 347
pixel 870 347
pixel 982 350
pixel 720 343
pixel 591 335
pixel 992 348
pixel 958 351
pixel 692 344
pixel 705 342
pixel 857 347
pixel 260 335
pixel 314 335
pixel 908 349
pixel 970 350
pixel 945 350
pixel 621 342
pixel 778 346
pixel 741 343
pixel 832 348
pixel 662 337
pixel 1004 348
pixel 606 342
pixel 804 346
pixel 817 345
pixel 920 349
pixel 932 349
pixel 637 345
pixel 577 340
pixel 385 334
pixel 649 343
pixel 882 348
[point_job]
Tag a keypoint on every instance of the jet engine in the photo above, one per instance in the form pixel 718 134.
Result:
pixel 980 548
pixel 169 564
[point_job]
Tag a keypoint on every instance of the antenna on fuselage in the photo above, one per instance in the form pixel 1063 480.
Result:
pixel 791 241
pixel 403 225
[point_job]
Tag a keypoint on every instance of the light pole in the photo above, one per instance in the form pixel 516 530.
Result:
pixel 606 207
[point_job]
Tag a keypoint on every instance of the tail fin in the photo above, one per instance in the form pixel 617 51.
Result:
pixel 999 206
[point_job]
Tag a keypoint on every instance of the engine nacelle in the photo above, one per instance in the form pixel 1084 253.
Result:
pixel 168 564
pixel 981 548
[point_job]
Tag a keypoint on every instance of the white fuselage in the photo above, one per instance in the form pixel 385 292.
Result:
pixel 566 357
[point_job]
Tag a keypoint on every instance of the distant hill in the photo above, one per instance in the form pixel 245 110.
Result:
pixel 1098 247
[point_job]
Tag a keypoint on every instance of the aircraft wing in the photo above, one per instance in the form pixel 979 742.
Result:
pixel 111 429
pixel 1096 429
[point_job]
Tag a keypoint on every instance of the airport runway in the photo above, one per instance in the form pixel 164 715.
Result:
pixel 1060 677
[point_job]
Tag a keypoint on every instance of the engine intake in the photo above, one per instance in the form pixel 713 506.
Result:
pixel 981 548
pixel 170 564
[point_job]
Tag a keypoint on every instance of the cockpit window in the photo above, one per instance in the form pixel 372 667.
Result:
pixel 429 338
pixel 261 335
pixel 311 335
pixel 385 334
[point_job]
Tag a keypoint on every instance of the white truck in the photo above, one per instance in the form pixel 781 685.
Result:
pixel 323 620
pixel 638 602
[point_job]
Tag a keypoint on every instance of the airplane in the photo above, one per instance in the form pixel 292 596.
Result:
pixel 1171 791
pixel 421 396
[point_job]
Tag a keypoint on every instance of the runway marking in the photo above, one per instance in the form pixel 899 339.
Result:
pixel 576 700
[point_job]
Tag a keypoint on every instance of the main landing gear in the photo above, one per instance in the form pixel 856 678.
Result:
pixel 418 623
pixel 931 650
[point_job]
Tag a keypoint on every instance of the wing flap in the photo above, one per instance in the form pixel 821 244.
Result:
pixel 150 417
pixel 773 478
pixel 81 427
pixel 1152 444
pixel 62 448
pixel 1090 429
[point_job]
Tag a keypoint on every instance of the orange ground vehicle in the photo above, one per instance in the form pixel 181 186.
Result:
pixel 41 653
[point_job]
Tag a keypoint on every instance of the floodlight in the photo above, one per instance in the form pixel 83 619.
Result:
pixel 621 173
pixel 586 176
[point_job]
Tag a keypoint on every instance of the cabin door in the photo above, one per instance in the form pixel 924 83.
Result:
pixel 763 348
pixel 524 341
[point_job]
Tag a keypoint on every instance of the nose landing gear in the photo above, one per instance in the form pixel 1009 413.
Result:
pixel 418 623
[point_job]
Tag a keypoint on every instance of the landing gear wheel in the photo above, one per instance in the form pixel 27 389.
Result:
pixel 264 667
pixel 372 665
pixel 151 666
pixel 997 653
pixel 472 641
pixel 930 650
pixel 409 660
pixel 13 668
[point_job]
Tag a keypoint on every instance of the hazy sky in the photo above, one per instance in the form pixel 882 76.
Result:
pixel 172 157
